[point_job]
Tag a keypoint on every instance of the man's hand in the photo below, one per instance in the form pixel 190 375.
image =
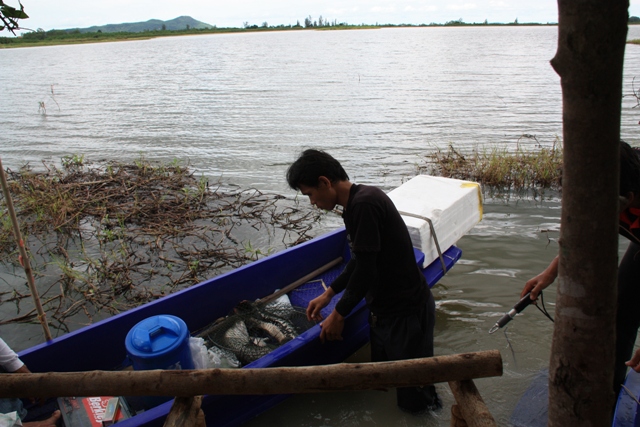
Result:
pixel 634 363
pixel 332 327
pixel 22 370
pixel 541 281
pixel 318 303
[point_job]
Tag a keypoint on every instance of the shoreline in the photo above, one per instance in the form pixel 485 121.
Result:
pixel 93 37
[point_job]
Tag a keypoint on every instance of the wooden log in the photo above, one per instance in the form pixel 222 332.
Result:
pixel 473 409
pixel 457 419
pixel 309 379
pixel 186 412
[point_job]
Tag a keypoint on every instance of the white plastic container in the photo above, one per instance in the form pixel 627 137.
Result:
pixel 454 207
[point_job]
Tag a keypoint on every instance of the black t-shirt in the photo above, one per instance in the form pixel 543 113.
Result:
pixel 383 267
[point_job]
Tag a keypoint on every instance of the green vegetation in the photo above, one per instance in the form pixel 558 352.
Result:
pixel 156 28
pixel 185 25
pixel 9 17
pixel 500 169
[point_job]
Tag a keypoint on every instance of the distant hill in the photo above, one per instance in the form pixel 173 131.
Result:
pixel 179 23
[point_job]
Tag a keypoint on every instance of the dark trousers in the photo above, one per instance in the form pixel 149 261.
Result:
pixel 628 312
pixel 406 337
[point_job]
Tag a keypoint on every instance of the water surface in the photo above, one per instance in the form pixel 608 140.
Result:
pixel 240 107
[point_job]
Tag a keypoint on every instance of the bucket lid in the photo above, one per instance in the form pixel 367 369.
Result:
pixel 156 336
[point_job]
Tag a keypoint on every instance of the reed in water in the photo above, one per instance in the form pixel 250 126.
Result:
pixel 502 169
pixel 108 236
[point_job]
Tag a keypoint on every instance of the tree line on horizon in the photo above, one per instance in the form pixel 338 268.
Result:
pixel 321 22
pixel 160 28
pixel 10 16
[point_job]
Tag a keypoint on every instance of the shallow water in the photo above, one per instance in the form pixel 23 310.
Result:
pixel 240 107
pixel 514 242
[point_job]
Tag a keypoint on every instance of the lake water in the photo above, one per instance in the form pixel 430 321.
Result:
pixel 242 106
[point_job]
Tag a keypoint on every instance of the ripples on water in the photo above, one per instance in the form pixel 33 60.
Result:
pixel 241 106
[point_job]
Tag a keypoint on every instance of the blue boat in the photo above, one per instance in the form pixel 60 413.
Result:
pixel 101 346
pixel 627 413
pixel 532 408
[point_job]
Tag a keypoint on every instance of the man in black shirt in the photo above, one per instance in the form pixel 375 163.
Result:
pixel 382 269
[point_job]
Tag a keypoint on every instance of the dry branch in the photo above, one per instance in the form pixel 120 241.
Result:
pixel 112 236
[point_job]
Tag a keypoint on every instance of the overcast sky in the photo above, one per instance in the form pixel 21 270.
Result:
pixel 62 14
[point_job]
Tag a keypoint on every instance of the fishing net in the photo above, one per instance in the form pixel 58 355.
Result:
pixel 254 330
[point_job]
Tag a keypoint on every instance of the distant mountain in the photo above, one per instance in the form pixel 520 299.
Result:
pixel 179 23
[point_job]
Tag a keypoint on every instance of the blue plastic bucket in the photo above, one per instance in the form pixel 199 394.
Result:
pixel 159 342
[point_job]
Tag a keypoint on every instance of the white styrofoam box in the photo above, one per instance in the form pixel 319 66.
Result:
pixel 453 206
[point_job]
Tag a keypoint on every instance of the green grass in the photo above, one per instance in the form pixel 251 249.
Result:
pixel 501 168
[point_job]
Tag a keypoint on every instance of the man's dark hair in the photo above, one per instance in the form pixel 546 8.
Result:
pixel 629 169
pixel 311 165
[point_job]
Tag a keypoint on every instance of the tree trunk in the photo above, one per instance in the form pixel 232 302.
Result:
pixel 309 379
pixel 591 41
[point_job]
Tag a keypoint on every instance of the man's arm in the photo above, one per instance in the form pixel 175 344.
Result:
pixel 363 278
pixel 9 359
pixel 541 281
pixel 338 285
pixel 318 303
pixel 342 280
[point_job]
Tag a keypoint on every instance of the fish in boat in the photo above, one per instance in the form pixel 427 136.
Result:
pixel 275 326
pixel 101 346
pixel 238 340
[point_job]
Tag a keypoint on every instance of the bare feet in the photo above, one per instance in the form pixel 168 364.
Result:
pixel 49 422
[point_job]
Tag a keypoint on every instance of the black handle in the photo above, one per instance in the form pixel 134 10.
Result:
pixel 520 305
pixel 523 303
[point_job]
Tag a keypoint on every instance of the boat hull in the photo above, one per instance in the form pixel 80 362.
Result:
pixel 532 408
pixel 102 345
pixel 627 413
